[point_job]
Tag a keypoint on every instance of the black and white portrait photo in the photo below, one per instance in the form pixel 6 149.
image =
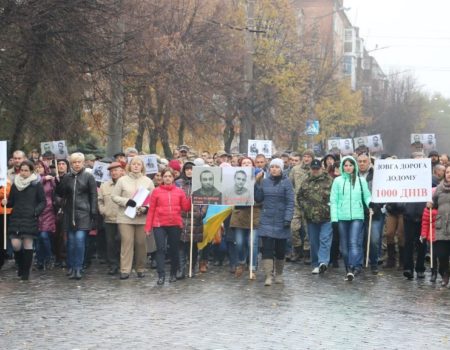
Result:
pixel 238 185
pixel 206 185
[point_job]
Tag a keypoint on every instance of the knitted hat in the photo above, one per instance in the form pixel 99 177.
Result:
pixel 277 162
pixel 309 152
pixel 199 162
pixel 175 165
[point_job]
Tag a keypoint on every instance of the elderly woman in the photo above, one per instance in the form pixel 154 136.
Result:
pixel 132 234
pixel 79 191
pixel 441 201
pixel 276 194
pixel 27 200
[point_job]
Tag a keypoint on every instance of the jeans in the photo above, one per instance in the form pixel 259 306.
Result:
pixel 185 252
pixel 76 246
pixel 375 240
pixel 242 236
pixel 44 248
pixel 351 238
pixel 320 238
pixel 170 234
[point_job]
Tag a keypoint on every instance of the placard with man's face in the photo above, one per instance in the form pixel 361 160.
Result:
pixel 3 163
pixel 101 172
pixel 427 140
pixel 256 147
pixel 238 184
pixel 346 146
pixel 206 185
pixel 375 143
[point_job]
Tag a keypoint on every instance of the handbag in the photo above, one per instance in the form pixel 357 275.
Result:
pixel 365 207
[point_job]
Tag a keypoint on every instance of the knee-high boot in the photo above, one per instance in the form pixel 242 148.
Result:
pixel 26 263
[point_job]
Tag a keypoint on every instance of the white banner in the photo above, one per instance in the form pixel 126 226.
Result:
pixel 402 180
pixel 256 147
pixel 3 163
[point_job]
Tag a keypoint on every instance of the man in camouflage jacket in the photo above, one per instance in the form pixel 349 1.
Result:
pixel 313 198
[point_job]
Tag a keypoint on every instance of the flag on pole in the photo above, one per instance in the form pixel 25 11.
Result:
pixel 214 218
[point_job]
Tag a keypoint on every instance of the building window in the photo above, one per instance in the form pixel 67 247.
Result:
pixel 347 69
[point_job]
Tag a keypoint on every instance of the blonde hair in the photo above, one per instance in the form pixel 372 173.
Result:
pixel 134 160
pixel 76 156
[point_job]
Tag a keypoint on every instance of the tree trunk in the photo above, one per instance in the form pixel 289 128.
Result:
pixel 153 138
pixel 164 135
pixel 181 130
pixel 228 135
pixel 141 123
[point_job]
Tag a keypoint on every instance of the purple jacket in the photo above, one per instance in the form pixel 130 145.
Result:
pixel 47 220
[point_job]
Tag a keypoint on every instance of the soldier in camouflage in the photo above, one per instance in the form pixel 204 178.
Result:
pixel 313 198
pixel 297 175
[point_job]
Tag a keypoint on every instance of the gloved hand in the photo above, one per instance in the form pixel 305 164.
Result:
pixel 287 224
pixel 131 203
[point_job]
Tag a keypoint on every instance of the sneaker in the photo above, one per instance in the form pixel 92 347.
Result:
pixel 315 271
pixel 173 279
pixel 124 276
pixel 421 274
pixel 322 268
pixel 349 277
pixel 160 281
pixel 141 275
pixel 374 270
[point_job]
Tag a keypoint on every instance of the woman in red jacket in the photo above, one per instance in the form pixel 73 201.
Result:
pixel 426 235
pixel 164 218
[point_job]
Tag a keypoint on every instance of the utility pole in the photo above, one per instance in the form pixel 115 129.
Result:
pixel 246 119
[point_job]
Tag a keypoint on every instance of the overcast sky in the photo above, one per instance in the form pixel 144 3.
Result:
pixel 416 34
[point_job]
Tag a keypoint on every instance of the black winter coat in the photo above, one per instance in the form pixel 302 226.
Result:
pixel 27 205
pixel 79 192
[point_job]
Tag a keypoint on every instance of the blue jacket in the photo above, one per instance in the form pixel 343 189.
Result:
pixel 277 207
pixel 346 199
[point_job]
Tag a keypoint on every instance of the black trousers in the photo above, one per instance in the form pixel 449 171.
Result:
pixel 412 242
pixel 112 236
pixel 273 247
pixel 185 249
pixel 442 252
pixel 164 235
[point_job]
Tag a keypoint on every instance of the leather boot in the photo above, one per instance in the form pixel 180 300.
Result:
pixel 279 266
pixel 239 270
pixel 203 266
pixel 390 263
pixel 267 265
pixel 18 258
pixel 27 260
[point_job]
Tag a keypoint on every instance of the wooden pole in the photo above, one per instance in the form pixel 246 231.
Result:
pixel 368 238
pixel 251 242
pixel 431 237
pixel 4 216
pixel 192 240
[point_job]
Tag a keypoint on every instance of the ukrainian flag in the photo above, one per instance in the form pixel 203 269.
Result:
pixel 215 216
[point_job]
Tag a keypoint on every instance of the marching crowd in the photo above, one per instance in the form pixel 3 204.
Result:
pixel 306 209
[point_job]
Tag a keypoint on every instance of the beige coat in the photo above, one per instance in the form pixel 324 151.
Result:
pixel 124 190
pixel 108 209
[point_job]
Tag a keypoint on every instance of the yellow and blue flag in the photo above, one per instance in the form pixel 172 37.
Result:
pixel 215 216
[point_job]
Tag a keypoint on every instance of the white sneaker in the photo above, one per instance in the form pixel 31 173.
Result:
pixel 322 268
pixel 315 271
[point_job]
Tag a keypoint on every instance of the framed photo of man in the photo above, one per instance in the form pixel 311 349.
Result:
pixel 428 141
pixel 333 146
pixel 256 147
pixel 101 172
pixel 206 185
pixel 151 164
pixel 238 185
pixel 60 149
pixel 346 146
pixel 46 147
pixel 375 143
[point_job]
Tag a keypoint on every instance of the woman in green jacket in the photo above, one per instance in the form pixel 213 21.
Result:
pixel 349 196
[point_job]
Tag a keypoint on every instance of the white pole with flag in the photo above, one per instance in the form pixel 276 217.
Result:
pixel 251 242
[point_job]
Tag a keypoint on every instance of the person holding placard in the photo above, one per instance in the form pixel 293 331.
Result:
pixel 27 200
pixel 441 202
pixel 79 191
pixel 3 208
pixel 185 183
pixel 132 233
pixel 167 202
pixel 349 195
pixel 276 194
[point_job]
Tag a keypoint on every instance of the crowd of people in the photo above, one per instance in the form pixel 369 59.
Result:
pixel 306 209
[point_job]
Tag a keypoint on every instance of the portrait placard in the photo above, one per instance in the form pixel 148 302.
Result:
pixel 101 172
pixel 206 185
pixel 238 185
pixel 256 147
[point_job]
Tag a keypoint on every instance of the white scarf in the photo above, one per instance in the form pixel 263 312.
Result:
pixel 22 183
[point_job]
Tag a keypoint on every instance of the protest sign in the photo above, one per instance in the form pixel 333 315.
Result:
pixel 151 164
pixel 428 141
pixel 206 185
pixel 238 184
pixel 401 180
pixel 101 172
pixel 256 147
pixel 3 163
pixel 58 148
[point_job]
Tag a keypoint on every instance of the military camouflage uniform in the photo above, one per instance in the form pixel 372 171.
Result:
pixel 297 175
pixel 314 198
